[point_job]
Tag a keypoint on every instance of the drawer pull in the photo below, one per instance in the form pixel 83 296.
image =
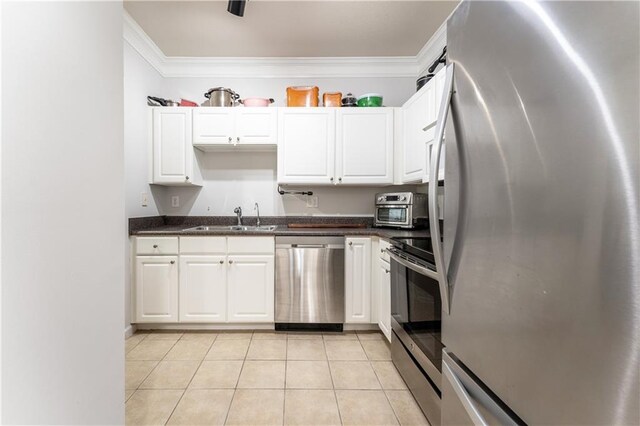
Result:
pixel 221 262
pixel 350 243
pixel 231 261
pixel 172 262
pixel 155 246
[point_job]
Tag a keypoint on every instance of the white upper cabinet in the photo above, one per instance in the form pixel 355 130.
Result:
pixel 364 146
pixel 306 145
pixel 438 91
pixel 416 118
pixel 230 127
pixel 256 126
pixel 213 126
pixel 173 157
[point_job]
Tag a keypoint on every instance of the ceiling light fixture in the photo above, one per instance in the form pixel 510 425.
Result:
pixel 236 7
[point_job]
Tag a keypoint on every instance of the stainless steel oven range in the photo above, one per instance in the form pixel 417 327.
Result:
pixel 416 307
pixel 401 210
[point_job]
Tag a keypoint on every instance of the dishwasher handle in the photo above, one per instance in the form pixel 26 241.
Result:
pixel 310 246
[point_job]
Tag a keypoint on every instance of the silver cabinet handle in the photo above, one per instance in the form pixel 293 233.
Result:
pixel 387 271
pixel 238 139
pixel 350 243
pixel 381 250
pixel 230 139
pixel 231 261
pixel 221 262
pixel 187 177
pixel 172 262
pixel 434 225
pixel 331 179
pixel 339 179
pixel 155 246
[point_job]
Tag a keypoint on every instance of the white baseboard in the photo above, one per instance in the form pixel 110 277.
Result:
pixel 205 326
pixel 129 330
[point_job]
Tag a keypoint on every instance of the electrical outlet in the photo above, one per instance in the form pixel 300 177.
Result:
pixel 144 199
pixel 312 201
pixel 175 201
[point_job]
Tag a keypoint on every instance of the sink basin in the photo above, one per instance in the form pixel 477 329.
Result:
pixel 267 228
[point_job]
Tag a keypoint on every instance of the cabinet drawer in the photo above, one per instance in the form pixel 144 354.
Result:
pixel 253 245
pixel 157 245
pixel 203 245
pixel 384 245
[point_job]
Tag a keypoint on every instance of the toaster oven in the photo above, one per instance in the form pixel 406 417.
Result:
pixel 401 210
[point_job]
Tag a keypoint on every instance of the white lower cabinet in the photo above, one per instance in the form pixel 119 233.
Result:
pixel 384 297
pixel 203 288
pixel 156 288
pixel 208 280
pixel 358 280
pixel 250 284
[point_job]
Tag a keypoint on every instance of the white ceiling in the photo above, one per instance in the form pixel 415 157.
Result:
pixel 301 28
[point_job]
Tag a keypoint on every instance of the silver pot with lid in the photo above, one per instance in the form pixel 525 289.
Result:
pixel 221 97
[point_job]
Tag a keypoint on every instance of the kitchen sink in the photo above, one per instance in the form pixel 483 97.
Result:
pixel 267 228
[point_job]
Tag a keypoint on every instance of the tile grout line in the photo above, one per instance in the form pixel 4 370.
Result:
pixel 194 375
pixel 153 369
pixel 333 385
pixel 235 389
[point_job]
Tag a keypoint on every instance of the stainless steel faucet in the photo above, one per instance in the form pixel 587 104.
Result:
pixel 258 215
pixel 238 211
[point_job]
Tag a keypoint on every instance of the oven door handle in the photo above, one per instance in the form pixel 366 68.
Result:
pixel 444 293
pixel 413 266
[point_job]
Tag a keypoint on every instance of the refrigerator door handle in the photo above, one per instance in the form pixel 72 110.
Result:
pixel 463 396
pixel 438 250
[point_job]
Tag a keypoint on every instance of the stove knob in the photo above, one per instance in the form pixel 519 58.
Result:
pixel 380 199
pixel 403 198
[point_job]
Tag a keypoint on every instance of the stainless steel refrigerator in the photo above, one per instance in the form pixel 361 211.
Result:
pixel 541 214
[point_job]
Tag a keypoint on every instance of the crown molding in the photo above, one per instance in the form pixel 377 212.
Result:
pixel 256 67
pixel 432 49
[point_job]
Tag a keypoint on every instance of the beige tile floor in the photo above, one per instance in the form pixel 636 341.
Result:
pixel 264 378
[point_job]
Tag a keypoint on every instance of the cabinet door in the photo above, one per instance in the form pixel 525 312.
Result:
pixel 172 150
pixel 213 126
pixel 203 289
pixel 306 145
pixel 250 286
pixel 256 126
pixel 156 289
pixel 364 145
pixel 358 280
pixel 384 298
pixel 413 147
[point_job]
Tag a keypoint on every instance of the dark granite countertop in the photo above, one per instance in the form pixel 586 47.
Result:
pixel 177 225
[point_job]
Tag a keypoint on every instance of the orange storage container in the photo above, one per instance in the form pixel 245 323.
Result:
pixel 333 99
pixel 302 96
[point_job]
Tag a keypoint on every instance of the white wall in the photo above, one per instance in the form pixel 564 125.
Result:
pixel 244 178
pixel 140 80
pixel 62 209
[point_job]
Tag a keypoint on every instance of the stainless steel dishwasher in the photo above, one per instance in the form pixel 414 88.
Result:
pixel 309 283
